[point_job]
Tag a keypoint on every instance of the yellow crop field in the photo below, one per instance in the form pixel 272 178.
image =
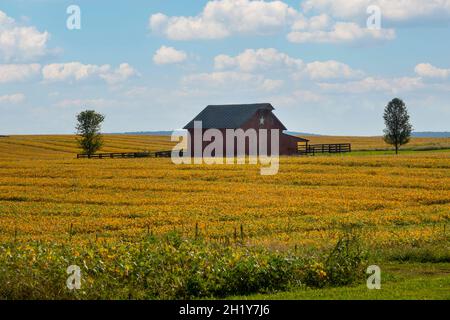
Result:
pixel 228 150
pixel 65 146
pixel 46 194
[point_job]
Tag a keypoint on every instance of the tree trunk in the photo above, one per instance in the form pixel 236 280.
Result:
pixel 396 149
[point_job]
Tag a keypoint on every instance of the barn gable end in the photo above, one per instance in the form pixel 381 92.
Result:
pixel 244 116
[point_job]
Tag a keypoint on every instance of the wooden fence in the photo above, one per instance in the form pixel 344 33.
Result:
pixel 324 148
pixel 302 150
pixel 156 154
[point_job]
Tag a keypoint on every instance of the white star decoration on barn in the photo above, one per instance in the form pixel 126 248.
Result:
pixel 261 121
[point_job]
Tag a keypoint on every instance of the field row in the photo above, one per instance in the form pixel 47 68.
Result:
pixel 391 200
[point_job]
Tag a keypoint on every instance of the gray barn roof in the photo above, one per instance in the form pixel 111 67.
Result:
pixel 229 116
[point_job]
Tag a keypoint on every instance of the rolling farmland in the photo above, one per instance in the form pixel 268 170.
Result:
pixel 44 190
pixel 391 201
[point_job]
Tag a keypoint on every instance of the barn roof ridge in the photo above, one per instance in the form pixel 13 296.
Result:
pixel 227 116
pixel 264 105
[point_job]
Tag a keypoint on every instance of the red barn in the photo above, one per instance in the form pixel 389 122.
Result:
pixel 244 116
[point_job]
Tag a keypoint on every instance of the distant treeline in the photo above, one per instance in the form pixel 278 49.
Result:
pixel 425 134
pixel 431 134
pixel 168 133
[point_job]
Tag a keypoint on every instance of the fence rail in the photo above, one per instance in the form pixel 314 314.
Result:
pixel 147 154
pixel 324 148
pixel 302 150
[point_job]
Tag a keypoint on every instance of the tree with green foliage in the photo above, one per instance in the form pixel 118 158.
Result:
pixel 88 130
pixel 398 129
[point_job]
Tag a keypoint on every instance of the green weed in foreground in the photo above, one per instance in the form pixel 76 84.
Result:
pixel 400 281
pixel 429 253
pixel 168 268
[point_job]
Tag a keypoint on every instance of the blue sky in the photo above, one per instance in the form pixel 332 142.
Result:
pixel 153 65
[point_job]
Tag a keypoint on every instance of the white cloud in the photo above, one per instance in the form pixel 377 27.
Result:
pixel 12 98
pixel 76 71
pixel 223 61
pixel 392 10
pixel 72 71
pixel 254 60
pixel 371 84
pixel 21 43
pixel 340 32
pixel 158 22
pixel 120 74
pixel 169 55
pixel 231 79
pixel 271 60
pixel 271 84
pixel 427 70
pixel 318 22
pixel 222 18
pixel 187 28
pixel 218 78
pixel 331 70
pixel 18 72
